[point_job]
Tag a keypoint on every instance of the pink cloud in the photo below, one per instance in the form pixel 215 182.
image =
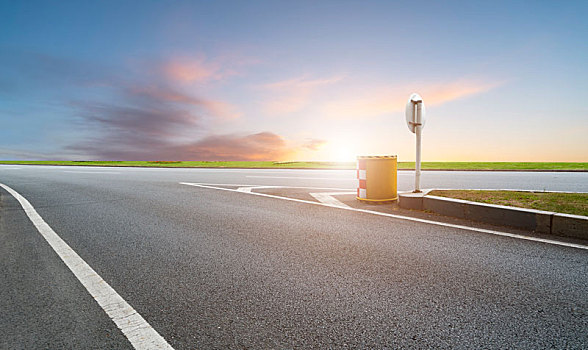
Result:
pixel 255 147
pixel 386 100
pixel 193 70
pixel 314 144
pixel 222 109
pixel 292 95
pixel 441 93
pixel 201 70
pixel 217 108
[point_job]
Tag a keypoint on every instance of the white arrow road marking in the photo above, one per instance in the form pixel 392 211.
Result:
pixel 327 198
pixel 134 327
pixel 424 221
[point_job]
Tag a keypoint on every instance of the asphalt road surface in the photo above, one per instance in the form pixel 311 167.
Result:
pixel 211 269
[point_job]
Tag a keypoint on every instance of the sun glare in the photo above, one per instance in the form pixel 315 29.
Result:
pixel 341 152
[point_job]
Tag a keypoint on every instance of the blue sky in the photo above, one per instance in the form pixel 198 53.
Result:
pixel 216 80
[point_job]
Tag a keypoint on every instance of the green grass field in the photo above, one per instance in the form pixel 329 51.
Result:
pixel 570 203
pixel 525 166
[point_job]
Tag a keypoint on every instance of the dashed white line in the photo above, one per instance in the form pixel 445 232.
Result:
pixel 437 223
pixel 134 327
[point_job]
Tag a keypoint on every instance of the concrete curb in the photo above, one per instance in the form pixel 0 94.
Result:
pixel 574 226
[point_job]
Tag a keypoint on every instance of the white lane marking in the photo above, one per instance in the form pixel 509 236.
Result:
pixel 278 186
pixel 327 198
pixel 301 178
pixel 134 327
pixel 249 188
pixel 91 172
pixel 425 221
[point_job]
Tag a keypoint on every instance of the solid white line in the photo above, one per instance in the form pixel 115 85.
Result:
pixel 134 327
pixel 278 186
pixel 424 221
pixel 249 188
pixel 91 172
pixel 327 198
pixel 301 178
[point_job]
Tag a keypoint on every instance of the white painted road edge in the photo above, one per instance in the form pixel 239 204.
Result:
pixel 134 327
pixel 461 227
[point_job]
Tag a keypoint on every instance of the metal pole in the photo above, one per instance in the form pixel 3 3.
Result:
pixel 417 130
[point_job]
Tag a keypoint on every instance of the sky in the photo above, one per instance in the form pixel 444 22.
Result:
pixel 292 80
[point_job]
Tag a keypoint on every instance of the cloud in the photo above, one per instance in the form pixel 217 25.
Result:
pixel 49 76
pixel 157 122
pixel 151 118
pixel 214 108
pixel 126 114
pixel 162 94
pixel 302 83
pixel 146 121
pixel 123 132
pixel 145 127
pixel 262 146
pixel 222 109
pixel 190 71
pixel 200 70
pixel 141 119
pixel 288 96
pixel 392 99
pixel 441 93
pixel 314 144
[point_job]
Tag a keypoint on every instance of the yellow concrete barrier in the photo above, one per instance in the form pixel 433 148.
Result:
pixel 377 179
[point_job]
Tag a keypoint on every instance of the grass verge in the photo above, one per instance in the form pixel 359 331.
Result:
pixel 509 166
pixel 570 203
pixel 195 164
pixel 545 166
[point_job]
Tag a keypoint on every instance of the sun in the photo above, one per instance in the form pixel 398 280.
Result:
pixel 341 152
